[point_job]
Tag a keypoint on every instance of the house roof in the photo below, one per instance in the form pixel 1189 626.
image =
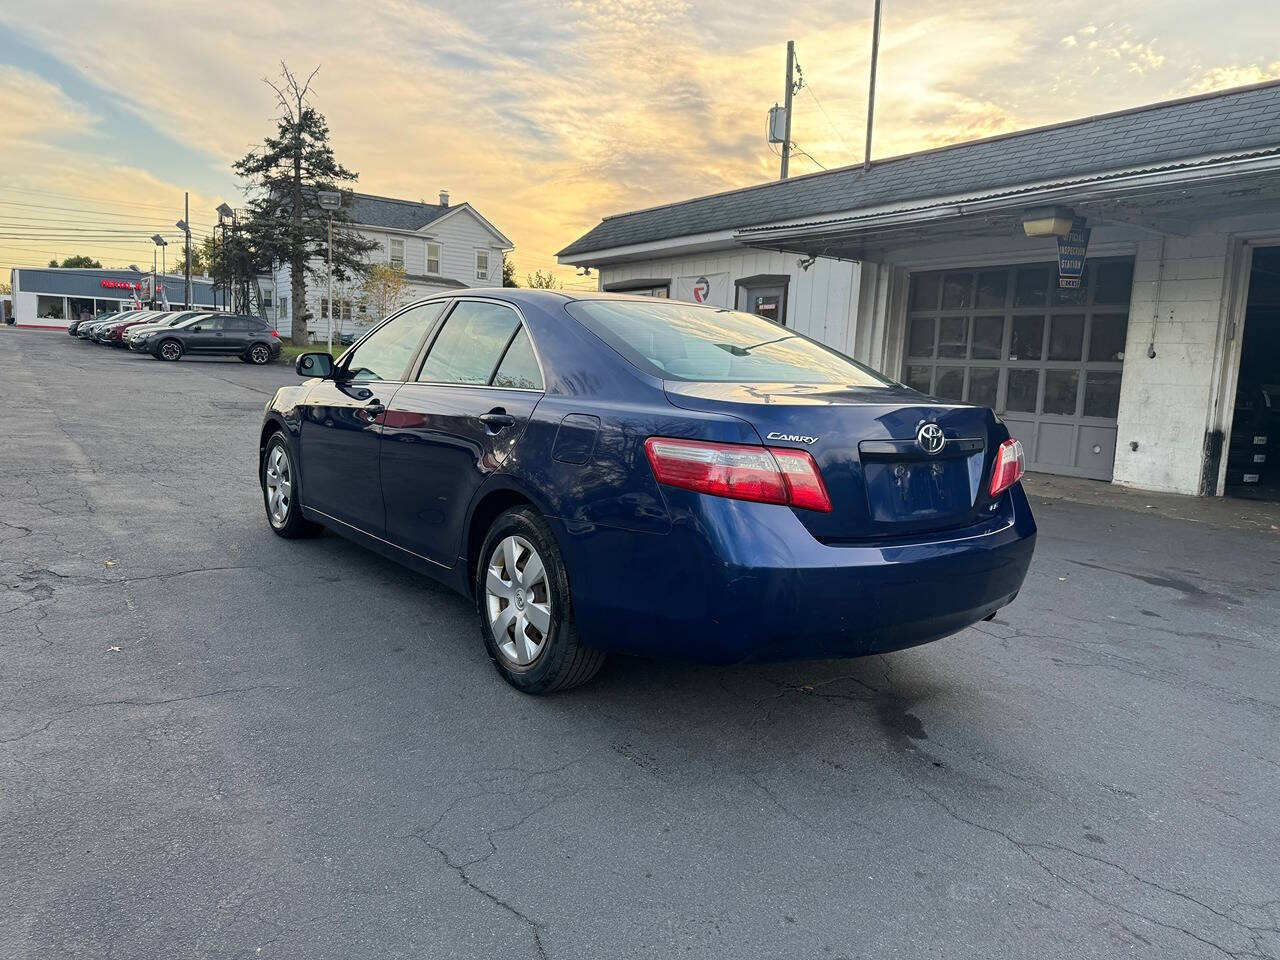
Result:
pixel 1242 120
pixel 394 214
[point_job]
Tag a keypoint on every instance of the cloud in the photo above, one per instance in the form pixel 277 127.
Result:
pixel 1221 78
pixel 36 110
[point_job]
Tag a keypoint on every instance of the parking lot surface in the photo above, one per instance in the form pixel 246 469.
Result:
pixel 216 743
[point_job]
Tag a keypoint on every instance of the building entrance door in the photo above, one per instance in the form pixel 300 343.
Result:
pixel 765 296
pixel 1253 452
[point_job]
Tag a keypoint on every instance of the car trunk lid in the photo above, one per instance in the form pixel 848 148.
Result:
pixel 882 481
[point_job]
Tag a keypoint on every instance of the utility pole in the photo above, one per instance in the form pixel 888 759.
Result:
pixel 186 219
pixel 330 200
pixel 786 136
pixel 871 95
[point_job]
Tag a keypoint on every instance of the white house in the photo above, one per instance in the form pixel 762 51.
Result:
pixel 945 270
pixel 439 245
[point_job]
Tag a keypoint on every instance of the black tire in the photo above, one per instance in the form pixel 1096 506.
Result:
pixel 169 350
pixel 563 660
pixel 259 354
pixel 293 525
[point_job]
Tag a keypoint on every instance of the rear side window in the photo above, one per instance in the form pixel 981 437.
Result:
pixel 519 367
pixel 387 351
pixel 679 341
pixel 470 345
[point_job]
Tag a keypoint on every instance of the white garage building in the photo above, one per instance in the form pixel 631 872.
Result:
pixel 924 267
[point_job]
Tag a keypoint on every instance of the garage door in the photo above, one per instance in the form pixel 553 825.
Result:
pixel 1047 360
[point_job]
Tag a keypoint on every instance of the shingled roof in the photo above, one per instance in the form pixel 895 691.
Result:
pixel 394 214
pixel 1243 120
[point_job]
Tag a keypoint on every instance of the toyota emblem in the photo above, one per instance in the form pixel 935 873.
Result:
pixel 930 438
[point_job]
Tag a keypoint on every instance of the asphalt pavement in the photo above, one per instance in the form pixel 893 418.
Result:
pixel 217 743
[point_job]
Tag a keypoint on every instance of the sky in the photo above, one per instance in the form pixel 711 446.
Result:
pixel 546 116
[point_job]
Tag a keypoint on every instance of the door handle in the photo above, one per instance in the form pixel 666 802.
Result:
pixel 372 409
pixel 496 420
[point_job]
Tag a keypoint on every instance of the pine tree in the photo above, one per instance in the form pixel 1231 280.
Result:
pixel 286 223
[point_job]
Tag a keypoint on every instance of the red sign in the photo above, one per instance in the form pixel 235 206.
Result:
pixel 121 285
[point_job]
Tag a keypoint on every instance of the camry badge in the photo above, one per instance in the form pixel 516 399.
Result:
pixel 930 438
pixel 794 437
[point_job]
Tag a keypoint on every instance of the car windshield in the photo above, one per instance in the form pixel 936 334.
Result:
pixel 682 341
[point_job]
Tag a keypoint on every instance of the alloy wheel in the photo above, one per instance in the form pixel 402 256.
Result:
pixel 518 600
pixel 170 350
pixel 259 354
pixel 279 481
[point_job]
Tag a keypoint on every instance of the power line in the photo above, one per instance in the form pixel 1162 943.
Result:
pixel 809 87
pixel 75 196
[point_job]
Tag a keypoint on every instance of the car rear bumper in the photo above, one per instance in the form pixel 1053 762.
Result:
pixel 747 582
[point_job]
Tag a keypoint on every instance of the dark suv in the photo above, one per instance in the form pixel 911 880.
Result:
pixel 251 339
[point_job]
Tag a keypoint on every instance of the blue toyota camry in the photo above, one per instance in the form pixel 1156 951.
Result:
pixel 609 473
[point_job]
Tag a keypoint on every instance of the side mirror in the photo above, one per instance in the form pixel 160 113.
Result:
pixel 195 329
pixel 314 365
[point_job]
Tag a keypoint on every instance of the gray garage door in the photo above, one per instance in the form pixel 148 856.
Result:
pixel 1048 360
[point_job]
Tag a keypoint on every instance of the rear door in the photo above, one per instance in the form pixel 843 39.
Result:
pixel 343 418
pixel 455 424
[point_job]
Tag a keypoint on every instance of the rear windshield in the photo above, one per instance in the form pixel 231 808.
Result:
pixel 682 341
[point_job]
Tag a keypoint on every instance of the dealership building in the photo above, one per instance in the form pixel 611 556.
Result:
pixel 52 297
pixel 1154 364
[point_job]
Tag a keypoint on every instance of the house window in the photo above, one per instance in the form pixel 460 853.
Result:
pixel 284 306
pixel 324 308
pixel 482 264
pixel 397 253
pixel 266 300
pixel 433 258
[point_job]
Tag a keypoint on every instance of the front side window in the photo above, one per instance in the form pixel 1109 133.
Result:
pixel 433 258
pixel 680 341
pixel 482 264
pixel 397 253
pixel 470 345
pixel 386 352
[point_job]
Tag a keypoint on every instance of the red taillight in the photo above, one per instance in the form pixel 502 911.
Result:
pixel 1008 468
pixel 739 471
pixel 276 334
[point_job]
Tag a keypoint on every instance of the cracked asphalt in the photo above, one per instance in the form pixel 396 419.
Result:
pixel 216 743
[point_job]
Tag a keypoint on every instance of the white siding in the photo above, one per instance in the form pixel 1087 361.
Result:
pixel 821 301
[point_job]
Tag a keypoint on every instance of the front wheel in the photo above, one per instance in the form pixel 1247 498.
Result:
pixel 526 619
pixel 170 350
pixel 280 492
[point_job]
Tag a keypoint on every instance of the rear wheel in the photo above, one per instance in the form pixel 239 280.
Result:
pixel 169 350
pixel 526 620
pixel 280 492
pixel 259 353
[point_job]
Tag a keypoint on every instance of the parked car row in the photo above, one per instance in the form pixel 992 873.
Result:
pixel 171 335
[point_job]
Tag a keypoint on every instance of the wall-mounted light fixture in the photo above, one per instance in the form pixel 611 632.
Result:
pixel 1047 221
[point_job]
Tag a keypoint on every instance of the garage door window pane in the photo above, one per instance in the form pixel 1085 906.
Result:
pixel 988 337
pixel 1102 394
pixel 957 291
pixel 950 383
pixel 920 339
pixel 1027 342
pixel 1071 296
pixel 1066 337
pixel 1107 334
pixel 1113 283
pixel 953 336
pixel 1032 288
pixel 992 286
pixel 1060 388
pixel 917 378
pixel 982 385
pixel 1023 387
pixel 925 288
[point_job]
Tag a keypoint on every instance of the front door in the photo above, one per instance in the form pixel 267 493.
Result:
pixel 455 424
pixel 343 418
pixel 764 298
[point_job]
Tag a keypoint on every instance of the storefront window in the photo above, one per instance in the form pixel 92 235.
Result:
pixel 80 308
pixel 51 308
